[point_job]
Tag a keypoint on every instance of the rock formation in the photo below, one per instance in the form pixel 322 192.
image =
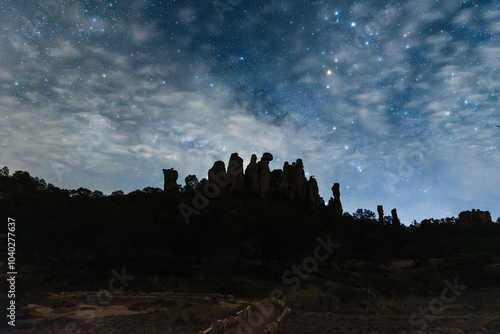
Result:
pixel 300 179
pixel 312 193
pixel 473 218
pixel 337 205
pixel 217 175
pixel 289 183
pixel 276 178
pixel 264 173
pixel 252 175
pixel 170 177
pixel 380 210
pixel 296 178
pixel 395 219
pixel 235 173
pixel 289 172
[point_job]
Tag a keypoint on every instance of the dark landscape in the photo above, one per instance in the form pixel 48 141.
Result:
pixel 246 250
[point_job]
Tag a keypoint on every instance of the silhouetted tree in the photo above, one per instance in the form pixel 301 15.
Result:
pixel 31 183
pixel 97 194
pixel 84 192
pixel 191 183
pixel 151 190
pixel 202 184
pixel 4 171
pixel 42 185
pixel 52 189
pixel 118 193
pixel 364 215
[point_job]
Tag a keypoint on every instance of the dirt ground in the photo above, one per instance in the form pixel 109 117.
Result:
pixel 184 313
pixel 327 323
pixel 130 313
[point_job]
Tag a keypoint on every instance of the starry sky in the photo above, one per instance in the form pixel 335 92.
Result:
pixel 398 101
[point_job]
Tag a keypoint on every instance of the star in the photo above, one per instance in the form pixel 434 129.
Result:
pixel 152 85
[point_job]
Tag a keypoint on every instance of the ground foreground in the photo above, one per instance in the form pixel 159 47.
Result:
pixel 184 313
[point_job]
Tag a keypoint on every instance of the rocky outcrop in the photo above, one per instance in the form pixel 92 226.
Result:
pixel 312 193
pixel 252 175
pixel 279 181
pixel 264 173
pixel 235 173
pixel 289 171
pixel 170 177
pixel 300 179
pixel 218 176
pixel 335 202
pixel 473 218
pixel 395 219
pixel 296 178
pixel 380 210
pixel 289 183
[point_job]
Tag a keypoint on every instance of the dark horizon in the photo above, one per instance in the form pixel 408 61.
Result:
pixel 182 186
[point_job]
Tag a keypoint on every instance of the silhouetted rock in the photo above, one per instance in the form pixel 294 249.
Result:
pixel 170 177
pixel 288 171
pixel 312 193
pixel 252 175
pixel 296 178
pixel 337 205
pixel 395 219
pixel 286 168
pixel 218 176
pixel 264 173
pixel 279 182
pixel 235 173
pixel 380 210
pixel 300 179
pixel 276 178
pixel 473 218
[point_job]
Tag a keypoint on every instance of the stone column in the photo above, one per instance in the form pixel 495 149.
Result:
pixel 337 205
pixel 380 210
pixel 170 177
pixel 395 219
pixel 265 173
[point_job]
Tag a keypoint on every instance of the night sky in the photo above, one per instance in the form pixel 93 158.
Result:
pixel 395 100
